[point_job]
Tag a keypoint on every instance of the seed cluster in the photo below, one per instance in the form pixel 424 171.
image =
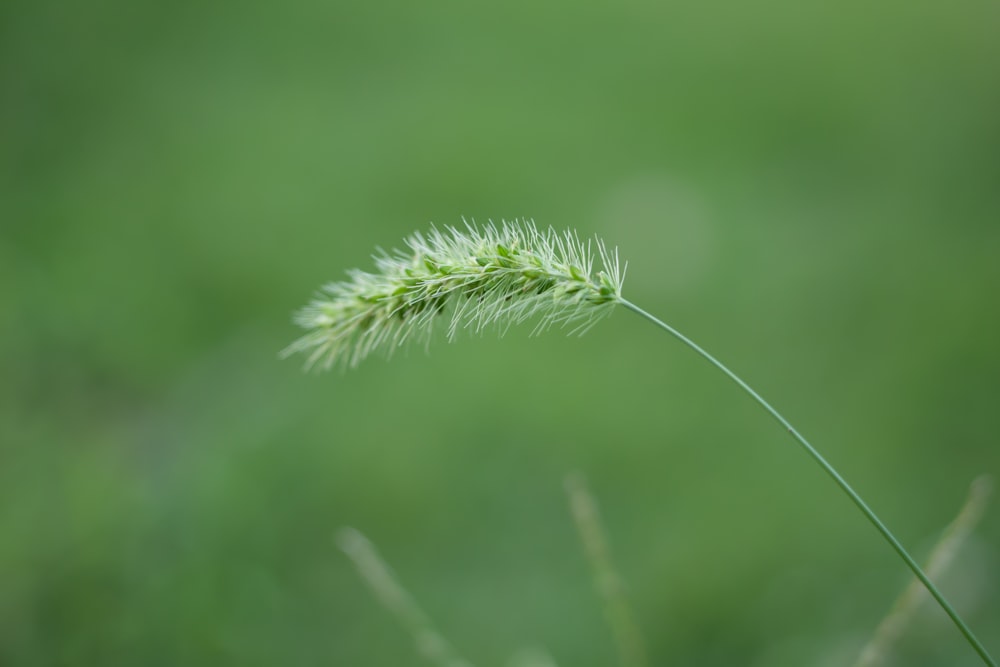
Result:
pixel 489 275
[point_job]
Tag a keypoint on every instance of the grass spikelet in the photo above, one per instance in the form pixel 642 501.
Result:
pixel 477 277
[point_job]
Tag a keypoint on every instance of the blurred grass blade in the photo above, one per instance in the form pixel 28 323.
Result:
pixel 430 643
pixel 531 657
pixel 631 650
pixel 955 535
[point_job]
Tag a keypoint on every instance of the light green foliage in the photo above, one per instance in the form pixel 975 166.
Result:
pixel 490 275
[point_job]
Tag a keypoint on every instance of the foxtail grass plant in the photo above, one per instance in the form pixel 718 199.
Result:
pixel 495 276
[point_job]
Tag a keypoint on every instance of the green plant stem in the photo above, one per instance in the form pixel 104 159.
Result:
pixel 955 535
pixel 631 651
pixel 830 470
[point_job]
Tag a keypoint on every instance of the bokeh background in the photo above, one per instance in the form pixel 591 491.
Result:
pixel 810 190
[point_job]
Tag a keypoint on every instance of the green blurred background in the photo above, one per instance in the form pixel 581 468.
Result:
pixel 810 190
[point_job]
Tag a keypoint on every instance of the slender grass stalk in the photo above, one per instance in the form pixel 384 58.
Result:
pixel 832 472
pixel 531 657
pixel 617 610
pixel 430 643
pixel 498 276
pixel 942 555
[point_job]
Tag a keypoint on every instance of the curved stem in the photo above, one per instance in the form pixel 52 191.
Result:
pixel 830 470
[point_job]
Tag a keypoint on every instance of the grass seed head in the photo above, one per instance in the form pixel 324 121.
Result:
pixel 475 277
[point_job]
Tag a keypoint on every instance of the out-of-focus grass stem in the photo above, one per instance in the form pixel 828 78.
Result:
pixel 430 643
pixel 944 552
pixel 631 651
